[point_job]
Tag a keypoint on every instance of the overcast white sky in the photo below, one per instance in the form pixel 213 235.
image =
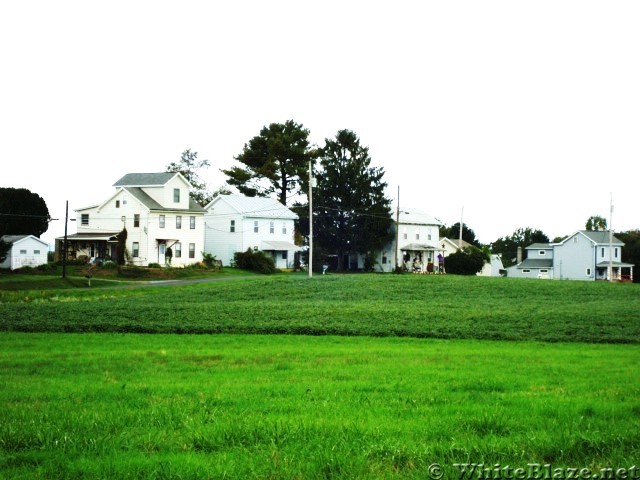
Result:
pixel 527 114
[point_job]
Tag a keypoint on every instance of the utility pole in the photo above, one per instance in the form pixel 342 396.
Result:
pixel 310 262
pixel 64 245
pixel 461 224
pixel 611 240
pixel 397 227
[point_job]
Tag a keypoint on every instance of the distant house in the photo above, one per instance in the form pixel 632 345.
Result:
pixel 416 236
pixel 584 255
pixel 492 268
pixel 26 251
pixel 158 214
pixel 235 223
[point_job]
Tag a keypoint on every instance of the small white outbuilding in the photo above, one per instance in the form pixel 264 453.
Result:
pixel 26 250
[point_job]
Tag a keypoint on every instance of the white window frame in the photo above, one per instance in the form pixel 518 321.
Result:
pixel 192 222
pixel 176 195
pixel 178 222
pixel 135 249
pixel 136 220
pixel 272 227
pixel 84 219
pixel 256 227
pixel 232 226
pixel 162 221
pixel 178 249
pixel 588 271
pixel 192 250
pixel 542 253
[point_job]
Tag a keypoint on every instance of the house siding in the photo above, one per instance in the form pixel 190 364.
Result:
pixel 15 259
pixel 573 257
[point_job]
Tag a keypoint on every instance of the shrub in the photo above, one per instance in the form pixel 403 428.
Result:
pixel 254 261
pixel 154 265
pixel 109 265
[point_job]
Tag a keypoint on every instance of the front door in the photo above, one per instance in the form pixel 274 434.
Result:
pixel 162 250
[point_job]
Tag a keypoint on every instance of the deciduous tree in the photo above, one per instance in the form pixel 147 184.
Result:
pixel 596 222
pixel 507 247
pixel 189 166
pixel 22 212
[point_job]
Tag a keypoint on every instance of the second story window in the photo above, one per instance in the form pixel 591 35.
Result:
pixel 232 226
pixel 162 221
pixel 192 222
pixel 284 228
pixel 176 195
pixel 84 219
pixel 117 203
pixel 136 219
pixel 255 226
pixel 272 227
pixel 178 221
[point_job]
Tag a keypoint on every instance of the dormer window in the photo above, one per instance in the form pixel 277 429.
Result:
pixel 176 195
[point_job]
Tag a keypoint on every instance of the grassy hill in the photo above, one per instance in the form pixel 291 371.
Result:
pixel 374 305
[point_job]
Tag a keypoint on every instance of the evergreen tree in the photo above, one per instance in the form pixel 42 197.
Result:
pixel 351 212
pixel 189 166
pixel 22 212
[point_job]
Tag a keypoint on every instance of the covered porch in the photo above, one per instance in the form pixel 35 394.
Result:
pixel 282 252
pixel 92 247
pixel 620 272
pixel 421 258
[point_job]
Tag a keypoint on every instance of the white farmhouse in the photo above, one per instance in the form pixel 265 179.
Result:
pixel 26 251
pixel 235 223
pixel 158 214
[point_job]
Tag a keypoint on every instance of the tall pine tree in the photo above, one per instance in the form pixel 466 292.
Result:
pixel 351 213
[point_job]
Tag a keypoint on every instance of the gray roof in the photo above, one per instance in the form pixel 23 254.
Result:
pixel 17 238
pixel 415 217
pixel 540 246
pixel 600 237
pixel 145 179
pixel 536 263
pixel 151 204
pixel 417 247
pixel 256 207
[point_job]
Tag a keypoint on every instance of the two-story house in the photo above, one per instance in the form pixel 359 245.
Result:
pixel 235 223
pixel 416 237
pixel 584 255
pixel 158 214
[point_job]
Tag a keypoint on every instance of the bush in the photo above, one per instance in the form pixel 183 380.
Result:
pixel 254 261
pixel 109 265
pixel 467 261
pixel 154 265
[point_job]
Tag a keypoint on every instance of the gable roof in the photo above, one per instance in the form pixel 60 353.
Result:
pixel 539 246
pixel 597 237
pixel 415 217
pixel 146 179
pixel 455 243
pixel 18 238
pixel 255 207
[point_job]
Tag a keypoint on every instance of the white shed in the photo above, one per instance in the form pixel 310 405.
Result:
pixel 26 250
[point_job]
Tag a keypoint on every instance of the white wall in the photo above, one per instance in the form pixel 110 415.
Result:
pixel 26 252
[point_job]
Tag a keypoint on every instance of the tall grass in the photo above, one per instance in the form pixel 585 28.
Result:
pixel 244 406
pixel 417 306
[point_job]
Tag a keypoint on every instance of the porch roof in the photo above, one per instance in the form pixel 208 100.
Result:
pixel 278 245
pixel 97 236
pixel 605 264
pixel 418 247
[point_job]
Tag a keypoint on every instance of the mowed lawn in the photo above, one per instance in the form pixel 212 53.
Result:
pixel 356 397
pixel 260 406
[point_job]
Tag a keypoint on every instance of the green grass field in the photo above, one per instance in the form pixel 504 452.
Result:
pixel 367 403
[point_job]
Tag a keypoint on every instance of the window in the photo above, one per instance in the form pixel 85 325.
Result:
pixel 526 270
pixel 23 252
pixel 255 226
pixel 178 221
pixel 192 250
pixel 135 250
pixel 417 235
pixel 176 195
pixel 544 270
pixel 84 219
pixel 117 203
pixel 192 222
pixel 588 272
pixel 36 252
pixel 178 250
pixel 255 248
pixel 124 200
pixel 136 220
pixel 602 252
pixel 542 253
pixel 232 226
pixel 615 252
pixel 429 236
pixel 284 254
pixel 404 235
pixel 271 227
pixel 384 258
pixel 284 228
pixel 162 220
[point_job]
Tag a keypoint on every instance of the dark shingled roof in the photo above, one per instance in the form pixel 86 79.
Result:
pixel 145 179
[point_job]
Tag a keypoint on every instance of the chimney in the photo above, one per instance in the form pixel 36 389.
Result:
pixel 519 256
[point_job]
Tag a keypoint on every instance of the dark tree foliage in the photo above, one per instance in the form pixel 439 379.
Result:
pixel 596 222
pixel 4 250
pixel 467 261
pixel 631 250
pixel 189 166
pixel 276 161
pixel 255 261
pixel 453 233
pixel 351 212
pixel 122 246
pixel 22 212
pixel 507 247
